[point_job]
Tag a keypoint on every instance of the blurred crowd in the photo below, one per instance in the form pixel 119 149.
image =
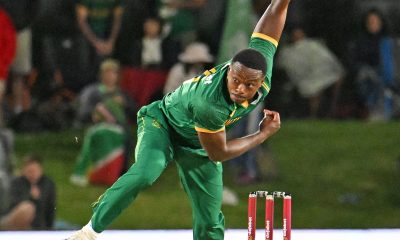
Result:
pixel 93 63
pixel 51 51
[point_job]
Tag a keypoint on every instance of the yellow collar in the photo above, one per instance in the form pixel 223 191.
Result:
pixel 245 104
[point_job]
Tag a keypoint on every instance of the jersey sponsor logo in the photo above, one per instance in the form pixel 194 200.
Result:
pixel 208 75
pixel 230 121
pixel 208 79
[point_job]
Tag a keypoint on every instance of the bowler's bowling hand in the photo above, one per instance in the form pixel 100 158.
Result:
pixel 270 124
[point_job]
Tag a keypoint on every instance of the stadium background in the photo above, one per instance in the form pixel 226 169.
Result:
pixel 342 173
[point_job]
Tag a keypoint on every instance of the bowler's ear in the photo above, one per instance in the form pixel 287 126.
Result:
pixel 229 68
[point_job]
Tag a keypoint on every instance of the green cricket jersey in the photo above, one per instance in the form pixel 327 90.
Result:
pixel 100 14
pixel 202 104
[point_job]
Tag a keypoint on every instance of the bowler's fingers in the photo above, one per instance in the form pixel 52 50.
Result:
pixel 271 115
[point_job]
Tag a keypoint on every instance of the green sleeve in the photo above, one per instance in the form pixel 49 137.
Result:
pixel 268 49
pixel 208 117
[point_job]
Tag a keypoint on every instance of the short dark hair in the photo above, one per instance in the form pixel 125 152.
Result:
pixel 251 58
pixel 32 158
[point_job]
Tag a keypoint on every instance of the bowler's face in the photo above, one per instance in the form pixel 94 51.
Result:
pixel 243 82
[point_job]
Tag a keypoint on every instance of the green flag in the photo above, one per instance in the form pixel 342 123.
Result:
pixel 237 29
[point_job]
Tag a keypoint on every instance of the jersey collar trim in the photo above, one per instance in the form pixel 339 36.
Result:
pixel 245 104
pixel 259 96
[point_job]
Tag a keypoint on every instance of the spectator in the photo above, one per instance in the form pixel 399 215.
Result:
pixel 154 51
pixel 58 50
pixel 312 78
pixel 181 18
pixel 19 218
pixel 210 21
pixel 32 198
pixel 99 22
pixel 22 13
pixel 152 57
pixel 7 52
pixel 6 166
pixel 107 88
pixel 192 62
pixel 106 148
pixel 372 65
pixel 237 25
pixel 51 97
